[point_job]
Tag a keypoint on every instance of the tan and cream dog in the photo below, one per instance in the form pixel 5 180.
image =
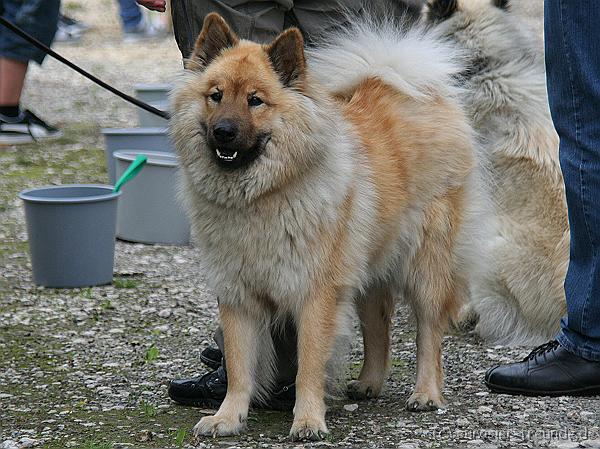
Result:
pixel 518 297
pixel 317 184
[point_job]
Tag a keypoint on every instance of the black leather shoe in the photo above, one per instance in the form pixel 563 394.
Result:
pixel 210 390
pixel 205 391
pixel 550 370
pixel 211 357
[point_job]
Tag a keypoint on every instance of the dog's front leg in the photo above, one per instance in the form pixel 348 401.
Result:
pixel 240 332
pixel 316 334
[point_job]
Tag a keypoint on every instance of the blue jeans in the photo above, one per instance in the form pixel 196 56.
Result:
pixel 573 72
pixel 38 17
pixel 131 14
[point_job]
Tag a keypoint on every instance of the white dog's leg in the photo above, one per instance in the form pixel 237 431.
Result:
pixel 241 335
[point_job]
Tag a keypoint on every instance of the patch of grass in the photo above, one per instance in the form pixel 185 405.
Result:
pixel 151 354
pixel 353 369
pixel 97 445
pixel 125 283
pixel 148 409
pixel 179 437
pixel 107 305
pixel 87 293
pixel 22 160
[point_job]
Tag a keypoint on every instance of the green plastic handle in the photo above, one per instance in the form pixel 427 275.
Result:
pixel 132 171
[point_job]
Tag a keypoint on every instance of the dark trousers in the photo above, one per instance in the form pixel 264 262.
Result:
pixel 262 20
pixel 573 72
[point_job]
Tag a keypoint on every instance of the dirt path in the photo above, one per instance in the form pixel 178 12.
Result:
pixel 87 368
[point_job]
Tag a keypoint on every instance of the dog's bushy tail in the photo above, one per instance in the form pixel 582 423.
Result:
pixel 412 58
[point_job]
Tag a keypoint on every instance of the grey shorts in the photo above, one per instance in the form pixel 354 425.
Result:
pixel 261 20
pixel 38 18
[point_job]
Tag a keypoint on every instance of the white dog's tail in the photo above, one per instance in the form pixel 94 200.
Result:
pixel 413 59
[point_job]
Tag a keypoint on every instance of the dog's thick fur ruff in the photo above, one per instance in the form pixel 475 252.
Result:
pixel 364 193
pixel 519 299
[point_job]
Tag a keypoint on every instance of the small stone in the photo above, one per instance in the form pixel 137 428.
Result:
pixel 145 436
pixel 351 407
pixel 165 313
pixel 26 443
pixel 9 444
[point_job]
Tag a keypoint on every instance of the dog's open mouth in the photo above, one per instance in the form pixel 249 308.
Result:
pixel 233 158
pixel 226 155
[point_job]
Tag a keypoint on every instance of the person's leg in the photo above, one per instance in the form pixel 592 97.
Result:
pixel 131 15
pixel 315 17
pixel 260 21
pixel 39 18
pixel 12 79
pixel 573 72
pixel 571 365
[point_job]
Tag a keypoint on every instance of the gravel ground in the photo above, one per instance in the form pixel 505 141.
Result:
pixel 87 368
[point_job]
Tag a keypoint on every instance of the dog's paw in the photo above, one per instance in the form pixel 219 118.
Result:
pixel 308 429
pixel 424 402
pixel 359 390
pixel 219 426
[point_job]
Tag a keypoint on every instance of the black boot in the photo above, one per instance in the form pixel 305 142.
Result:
pixel 550 370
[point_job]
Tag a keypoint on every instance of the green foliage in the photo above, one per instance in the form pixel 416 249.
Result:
pixel 107 305
pixel 151 354
pixel 95 444
pixel 125 283
pixel 148 409
pixel 180 437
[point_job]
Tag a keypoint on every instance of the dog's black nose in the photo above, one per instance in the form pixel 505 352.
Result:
pixel 225 131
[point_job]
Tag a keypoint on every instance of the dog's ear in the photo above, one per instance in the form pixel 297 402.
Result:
pixel 439 10
pixel 502 4
pixel 286 53
pixel 212 40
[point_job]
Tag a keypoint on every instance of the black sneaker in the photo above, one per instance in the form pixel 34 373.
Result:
pixel 550 370
pixel 25 128
pixel 210 390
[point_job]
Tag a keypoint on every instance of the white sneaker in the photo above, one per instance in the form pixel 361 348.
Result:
pixel 144 30
pixel 25 128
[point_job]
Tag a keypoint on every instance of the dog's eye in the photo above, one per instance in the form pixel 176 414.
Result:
pixel 216 96
pixel 254 101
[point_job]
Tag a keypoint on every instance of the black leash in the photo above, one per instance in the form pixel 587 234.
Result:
pixel 32 40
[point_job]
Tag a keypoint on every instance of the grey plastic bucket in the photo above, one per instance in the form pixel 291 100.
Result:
pixel 148 210
pixel 151 93
pixel 149 120
pixel 145 139
pixel 71 230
